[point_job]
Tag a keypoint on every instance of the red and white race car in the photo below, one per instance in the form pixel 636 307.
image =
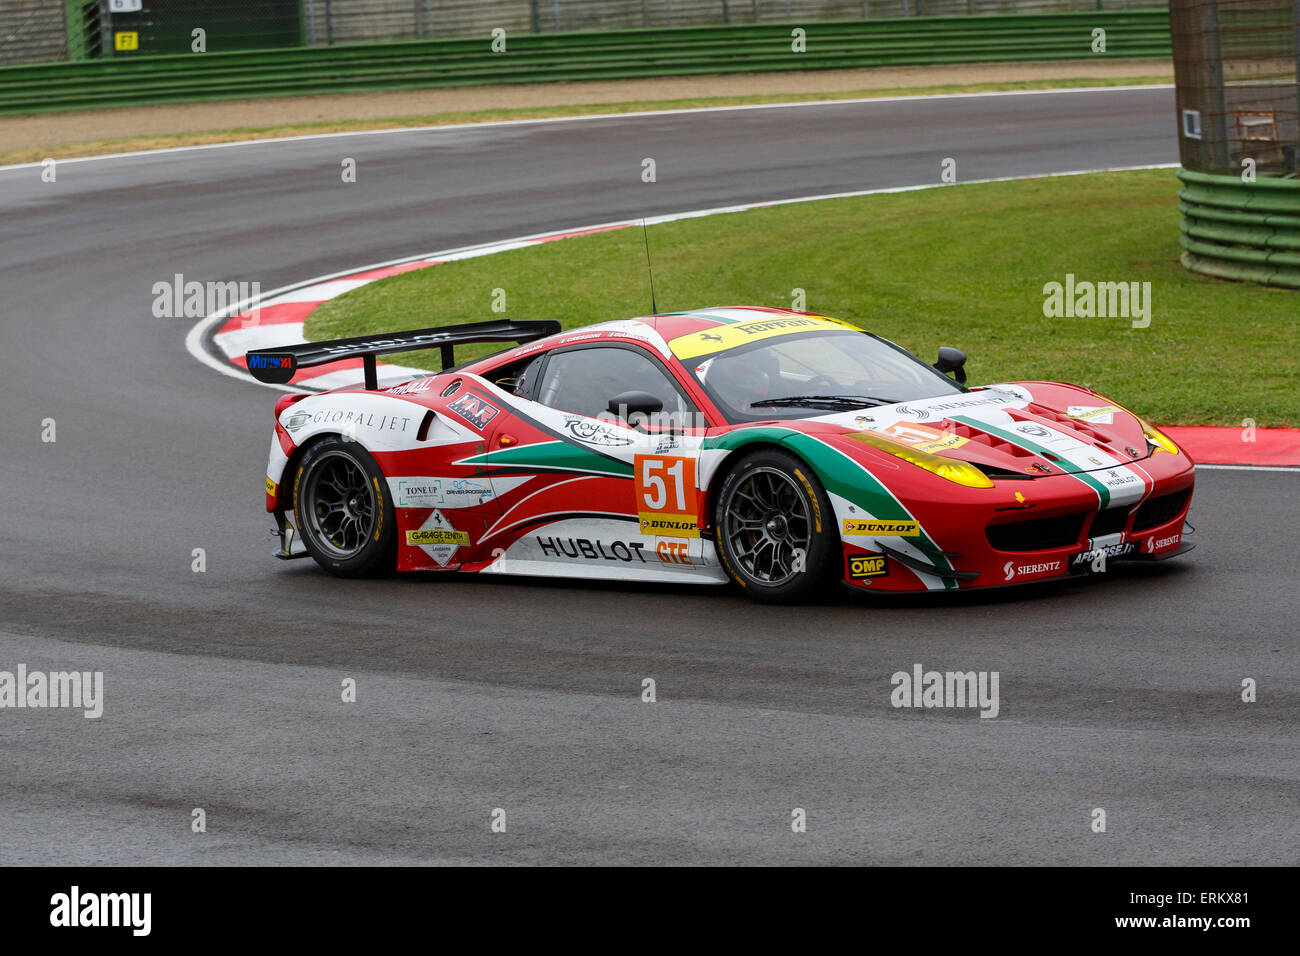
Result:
pixel 779 450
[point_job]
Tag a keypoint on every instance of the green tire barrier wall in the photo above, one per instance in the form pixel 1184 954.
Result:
pixel 129 80
pixel 1238 230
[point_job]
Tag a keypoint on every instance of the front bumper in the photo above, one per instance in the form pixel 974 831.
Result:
pixel 1028 531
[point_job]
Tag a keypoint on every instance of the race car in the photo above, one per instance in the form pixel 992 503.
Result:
pixel 782 451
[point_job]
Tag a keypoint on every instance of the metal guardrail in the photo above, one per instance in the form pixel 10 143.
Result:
pixel 579 56
pixel 1234 229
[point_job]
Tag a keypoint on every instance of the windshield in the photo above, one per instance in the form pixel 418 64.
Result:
pixel 814 373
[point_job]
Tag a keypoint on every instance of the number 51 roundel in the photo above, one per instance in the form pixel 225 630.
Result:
pixel 666 498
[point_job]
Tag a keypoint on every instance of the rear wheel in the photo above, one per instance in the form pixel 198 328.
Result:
pixel 344 515
pixel 775 529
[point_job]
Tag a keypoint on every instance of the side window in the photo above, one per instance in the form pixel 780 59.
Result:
pixel 518 378
pixel 584 380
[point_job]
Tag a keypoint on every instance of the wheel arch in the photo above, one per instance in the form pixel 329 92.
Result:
pixel 746 444
pixel 286 502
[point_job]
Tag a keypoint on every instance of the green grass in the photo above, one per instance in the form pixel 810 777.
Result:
pixel 961 265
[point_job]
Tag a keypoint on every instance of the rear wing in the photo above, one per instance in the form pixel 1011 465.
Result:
pixel 276 366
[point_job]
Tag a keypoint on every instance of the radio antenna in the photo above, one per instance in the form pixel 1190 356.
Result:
pixel 645 234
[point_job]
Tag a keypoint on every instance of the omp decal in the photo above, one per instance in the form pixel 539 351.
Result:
pixel 270 487
pixel 1101 414
pixel 881 529
pixel 475 409
pixel 706 342
pixel 863 566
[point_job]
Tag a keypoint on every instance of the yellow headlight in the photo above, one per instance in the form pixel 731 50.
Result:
pixel 958 472
pixel 1162 441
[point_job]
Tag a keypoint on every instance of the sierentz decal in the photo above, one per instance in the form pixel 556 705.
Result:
pixel 881 529
pixel 729 336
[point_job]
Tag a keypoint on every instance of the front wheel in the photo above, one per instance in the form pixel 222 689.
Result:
pixel 344 515
pixel 775 529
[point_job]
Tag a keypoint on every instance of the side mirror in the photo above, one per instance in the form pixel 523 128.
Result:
pixel 627 404
pixel 952 360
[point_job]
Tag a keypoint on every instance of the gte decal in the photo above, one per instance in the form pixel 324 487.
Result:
pixel 674 552
pixel 479 412
pixel 862 566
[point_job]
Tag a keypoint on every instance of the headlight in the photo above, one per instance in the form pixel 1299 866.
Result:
pixel 958 472
pixel 1159 441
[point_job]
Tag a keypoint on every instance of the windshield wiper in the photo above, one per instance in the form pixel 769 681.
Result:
pixel 843 401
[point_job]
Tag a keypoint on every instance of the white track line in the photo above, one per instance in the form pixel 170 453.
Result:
pixel 453 127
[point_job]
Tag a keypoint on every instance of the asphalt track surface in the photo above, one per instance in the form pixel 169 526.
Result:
pixel 222 688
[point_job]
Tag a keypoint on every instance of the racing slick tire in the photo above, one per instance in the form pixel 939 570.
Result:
pixel 343 510
pixel 775 530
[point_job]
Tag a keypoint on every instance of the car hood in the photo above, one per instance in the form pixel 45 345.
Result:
pixel 1035 429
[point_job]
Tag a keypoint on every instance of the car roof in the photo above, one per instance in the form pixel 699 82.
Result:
pixel 652 331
